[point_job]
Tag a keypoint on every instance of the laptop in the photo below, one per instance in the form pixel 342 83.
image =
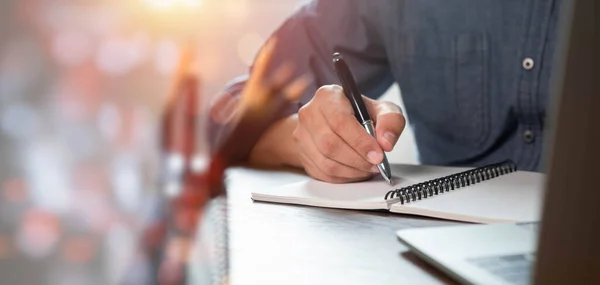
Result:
pixel 563 247
pixel 477 254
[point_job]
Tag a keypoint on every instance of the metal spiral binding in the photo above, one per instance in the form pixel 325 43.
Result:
pixel 451 182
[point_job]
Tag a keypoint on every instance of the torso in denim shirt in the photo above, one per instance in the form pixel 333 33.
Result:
pixel 459 66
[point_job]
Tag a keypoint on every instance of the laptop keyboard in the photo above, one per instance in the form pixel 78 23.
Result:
pixel 514 269
pixel 531 226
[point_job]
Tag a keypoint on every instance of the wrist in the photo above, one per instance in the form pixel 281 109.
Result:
pixel 276 147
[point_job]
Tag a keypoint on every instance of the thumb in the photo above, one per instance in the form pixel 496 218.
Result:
pixel 389 122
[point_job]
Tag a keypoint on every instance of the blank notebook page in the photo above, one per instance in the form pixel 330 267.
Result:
pixel 508 198
pixel 366 195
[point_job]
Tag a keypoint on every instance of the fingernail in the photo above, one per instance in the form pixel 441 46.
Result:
pixel 374 157
pixel 390 138
pixel 374 169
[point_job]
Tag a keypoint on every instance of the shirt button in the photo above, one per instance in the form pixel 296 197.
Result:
pixel 528 136
pixel 528 63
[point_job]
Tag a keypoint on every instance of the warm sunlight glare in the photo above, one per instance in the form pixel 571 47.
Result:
pixel 160 4
pixel 167 4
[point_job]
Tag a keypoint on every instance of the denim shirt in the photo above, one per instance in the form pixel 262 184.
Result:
pixel 474 74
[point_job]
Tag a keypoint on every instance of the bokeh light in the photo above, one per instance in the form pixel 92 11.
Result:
pixel 117 56
pixel 82 89
pixel 78 249
pixel 109 121
pixel 95 211
pixel 15 190
pixel 174 167
pixel 19 121
pixel 48 176
pixel 39 233
pixel 71 48
pixel 200 162
pixel 166 57
pixel 127 182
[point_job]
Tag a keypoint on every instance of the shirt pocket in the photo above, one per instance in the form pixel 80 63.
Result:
pixel 444 80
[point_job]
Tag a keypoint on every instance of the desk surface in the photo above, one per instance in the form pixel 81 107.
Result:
pixel 285 244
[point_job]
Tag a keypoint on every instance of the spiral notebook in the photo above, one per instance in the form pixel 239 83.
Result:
pixel 494 193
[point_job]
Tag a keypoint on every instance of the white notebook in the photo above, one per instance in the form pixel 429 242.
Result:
pixel 501 194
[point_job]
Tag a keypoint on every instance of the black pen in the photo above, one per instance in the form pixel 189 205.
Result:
pixel 360 110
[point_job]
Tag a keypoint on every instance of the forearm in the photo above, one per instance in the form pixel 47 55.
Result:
pixel 276 147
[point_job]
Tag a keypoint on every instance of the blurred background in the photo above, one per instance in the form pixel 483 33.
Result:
pixel 82 86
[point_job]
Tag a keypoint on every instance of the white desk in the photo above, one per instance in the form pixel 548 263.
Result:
pixel 285 244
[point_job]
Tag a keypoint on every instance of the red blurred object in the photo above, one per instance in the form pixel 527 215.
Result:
pixel 79 249
pixel 39 233
pixel 80 94
pixel 170 239
pixel 200 205
pixel 179 123
pixel 5 247
pixel 15 190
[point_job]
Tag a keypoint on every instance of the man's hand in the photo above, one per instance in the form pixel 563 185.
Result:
pixel 324 137
pixel 333 146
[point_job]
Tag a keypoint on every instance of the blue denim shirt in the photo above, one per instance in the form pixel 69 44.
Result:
pixel 474 74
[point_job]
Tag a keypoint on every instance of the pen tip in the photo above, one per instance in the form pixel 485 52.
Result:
pixel 387 178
